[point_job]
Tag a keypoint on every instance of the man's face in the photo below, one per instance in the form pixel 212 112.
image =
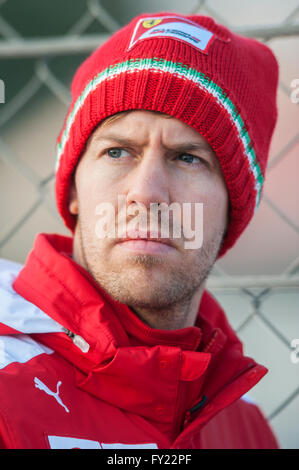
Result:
pixel 148 158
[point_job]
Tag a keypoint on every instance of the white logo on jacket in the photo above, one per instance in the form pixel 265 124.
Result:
pixel 39 384
pixel 64 442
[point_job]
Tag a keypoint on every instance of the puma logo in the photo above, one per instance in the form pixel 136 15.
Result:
pixel 39 384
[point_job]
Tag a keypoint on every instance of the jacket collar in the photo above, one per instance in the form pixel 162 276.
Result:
pixel 158 374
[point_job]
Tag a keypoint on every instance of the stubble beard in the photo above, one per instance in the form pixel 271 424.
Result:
pixel 159 293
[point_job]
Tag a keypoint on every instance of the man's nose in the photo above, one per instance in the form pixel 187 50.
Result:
pixel 149 181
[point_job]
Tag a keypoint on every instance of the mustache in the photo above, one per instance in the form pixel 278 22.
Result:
pixel 145 228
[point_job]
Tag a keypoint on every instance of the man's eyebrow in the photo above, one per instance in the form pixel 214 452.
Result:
pixel 182 146
pixel 126 141
pixel 193 146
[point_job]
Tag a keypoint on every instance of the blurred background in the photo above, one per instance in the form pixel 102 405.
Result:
pixel 257 282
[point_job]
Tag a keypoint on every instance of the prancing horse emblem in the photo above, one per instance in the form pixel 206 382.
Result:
pixel 39 384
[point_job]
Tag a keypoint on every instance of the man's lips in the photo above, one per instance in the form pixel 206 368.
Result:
pixel 146 236
pixel 144 242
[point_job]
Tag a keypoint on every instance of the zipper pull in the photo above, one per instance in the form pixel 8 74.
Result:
pixel 78 341
pixel 199 405
pixel 196 407
pixel 81 343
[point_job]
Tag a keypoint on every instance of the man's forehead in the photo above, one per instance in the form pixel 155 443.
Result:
pixel 133 112
pixel 183 134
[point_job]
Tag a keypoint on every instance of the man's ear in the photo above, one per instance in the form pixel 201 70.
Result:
pixel 73 200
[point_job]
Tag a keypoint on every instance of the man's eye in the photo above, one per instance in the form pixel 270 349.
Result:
pixel 117 153
pixel 185 157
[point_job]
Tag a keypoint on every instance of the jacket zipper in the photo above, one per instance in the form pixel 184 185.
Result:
pixel 189 415
pixel 78 340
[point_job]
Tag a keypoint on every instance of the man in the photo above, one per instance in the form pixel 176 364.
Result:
pixel 109 339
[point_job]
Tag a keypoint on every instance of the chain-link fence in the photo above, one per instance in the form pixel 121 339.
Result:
pixel 38 58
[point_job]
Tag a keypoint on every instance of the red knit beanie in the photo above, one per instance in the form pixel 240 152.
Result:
pixel 221 84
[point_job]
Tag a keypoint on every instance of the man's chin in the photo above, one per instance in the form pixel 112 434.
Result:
pixel 138 295
pixel 145 288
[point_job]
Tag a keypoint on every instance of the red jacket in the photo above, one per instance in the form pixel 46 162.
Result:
pixel 113 381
